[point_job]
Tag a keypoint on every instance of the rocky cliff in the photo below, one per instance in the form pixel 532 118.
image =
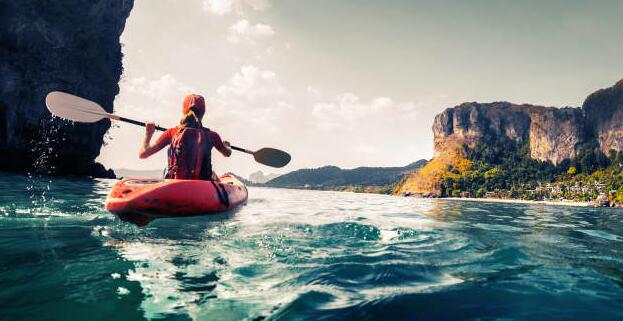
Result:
pixel 553 134
pixel 69 45
pixel 548 134
pixel 604 114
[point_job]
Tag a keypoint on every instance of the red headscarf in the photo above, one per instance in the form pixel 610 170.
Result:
pixel 195 102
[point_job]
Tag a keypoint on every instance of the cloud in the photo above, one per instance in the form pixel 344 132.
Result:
pixel 225 7
pixel 153 98
pixel 254 99
pixel 250 95
pixel 258 5
pixel 244 31
pixel 313 90
pixel 157 89
pixel 347 111
pixel 353 131
pixel 251 83
pixel 218 7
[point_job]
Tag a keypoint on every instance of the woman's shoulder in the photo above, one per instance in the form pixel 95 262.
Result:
pixel 212 133
pixel 171 131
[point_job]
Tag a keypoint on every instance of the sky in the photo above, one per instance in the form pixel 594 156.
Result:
pixel 351 82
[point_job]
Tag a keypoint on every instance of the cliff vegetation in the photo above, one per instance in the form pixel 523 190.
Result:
pixel 531 152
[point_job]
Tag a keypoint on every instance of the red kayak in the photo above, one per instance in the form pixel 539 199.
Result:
pixel 175 197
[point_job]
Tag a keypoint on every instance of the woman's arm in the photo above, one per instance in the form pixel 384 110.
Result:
pixel 147 149
pixel 222 146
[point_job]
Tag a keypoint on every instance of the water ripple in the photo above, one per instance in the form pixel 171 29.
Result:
pixel 306 255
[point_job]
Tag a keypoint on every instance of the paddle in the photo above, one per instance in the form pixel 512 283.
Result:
pixel 82 110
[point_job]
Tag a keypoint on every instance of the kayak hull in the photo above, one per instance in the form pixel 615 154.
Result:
pixel 175 197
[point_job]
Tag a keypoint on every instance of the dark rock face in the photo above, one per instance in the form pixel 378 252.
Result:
pixel 604 111
pixel 553 134
pixel 69 45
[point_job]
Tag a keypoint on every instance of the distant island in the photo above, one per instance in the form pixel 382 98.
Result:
pixel 259 177
pixel 507 151
pixel 361 179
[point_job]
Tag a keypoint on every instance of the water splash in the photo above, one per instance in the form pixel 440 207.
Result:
pixel 43 164
pixel 44 146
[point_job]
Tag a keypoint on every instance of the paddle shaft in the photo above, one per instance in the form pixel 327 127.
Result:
pixel 78 109
pixel 136 122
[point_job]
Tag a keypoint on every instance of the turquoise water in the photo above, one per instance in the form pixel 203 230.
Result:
pixel 305 255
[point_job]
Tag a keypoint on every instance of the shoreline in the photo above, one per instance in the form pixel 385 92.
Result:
pixel 517 201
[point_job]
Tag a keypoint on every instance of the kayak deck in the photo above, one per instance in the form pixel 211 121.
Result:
pixel 175 197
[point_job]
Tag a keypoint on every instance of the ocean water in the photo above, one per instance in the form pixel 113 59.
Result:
pixel 304 255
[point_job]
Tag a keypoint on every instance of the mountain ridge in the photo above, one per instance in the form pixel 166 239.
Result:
pixel 364 178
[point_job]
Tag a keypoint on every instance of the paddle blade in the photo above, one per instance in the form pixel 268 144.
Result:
pixel 272 157
pixel 74 108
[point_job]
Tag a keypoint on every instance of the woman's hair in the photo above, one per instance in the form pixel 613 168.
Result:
pixel 190 119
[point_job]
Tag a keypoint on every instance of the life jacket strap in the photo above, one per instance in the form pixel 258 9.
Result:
pixel 221 192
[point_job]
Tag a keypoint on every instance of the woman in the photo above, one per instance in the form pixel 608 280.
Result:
pixel 190 144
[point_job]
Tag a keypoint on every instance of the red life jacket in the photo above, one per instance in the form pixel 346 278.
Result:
pixel 190 154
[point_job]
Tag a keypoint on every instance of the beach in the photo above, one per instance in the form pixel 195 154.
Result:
pixel 517 201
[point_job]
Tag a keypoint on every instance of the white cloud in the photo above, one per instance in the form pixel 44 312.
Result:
pixel 251 83
pixel 268 75
pixel 244 31
pixel 258 5
pixel 225 7
pixel 162 88
pixel 313 90
pixel 347 111
pixel 153 98
pixel 251 93
pixel 218 7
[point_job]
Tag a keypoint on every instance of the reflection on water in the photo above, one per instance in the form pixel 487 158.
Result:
pixel 305 255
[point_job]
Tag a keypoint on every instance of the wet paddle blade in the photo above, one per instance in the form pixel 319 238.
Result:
pixel 75 108
pixel 272 157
